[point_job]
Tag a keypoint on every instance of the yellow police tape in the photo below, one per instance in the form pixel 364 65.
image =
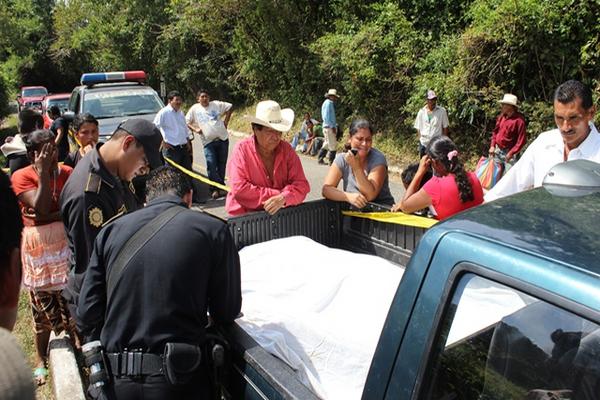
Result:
pixel 197 176
pixel 394 218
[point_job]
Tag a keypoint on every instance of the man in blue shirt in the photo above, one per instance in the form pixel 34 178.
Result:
pixel 329 127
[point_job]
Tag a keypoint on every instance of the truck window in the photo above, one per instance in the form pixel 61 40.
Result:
pixel 497 343
pixel 74 102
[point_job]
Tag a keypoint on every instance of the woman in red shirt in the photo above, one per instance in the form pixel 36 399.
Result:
pixel 450 190
pixel 44 248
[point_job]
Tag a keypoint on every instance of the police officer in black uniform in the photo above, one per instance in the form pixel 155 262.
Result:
pixel 151 310
pixel 99 191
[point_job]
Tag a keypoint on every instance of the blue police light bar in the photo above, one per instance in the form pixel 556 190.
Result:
pixel 107 77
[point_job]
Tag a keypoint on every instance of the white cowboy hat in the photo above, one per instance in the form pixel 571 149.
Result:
pixel 332 92
pixel 509 99
pixel 270 114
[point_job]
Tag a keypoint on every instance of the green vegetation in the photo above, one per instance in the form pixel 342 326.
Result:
pixel 381 55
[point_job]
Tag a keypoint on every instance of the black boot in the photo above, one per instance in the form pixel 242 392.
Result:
pixel 321 155
pixel 331 157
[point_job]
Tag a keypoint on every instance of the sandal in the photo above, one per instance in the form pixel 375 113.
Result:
pixel 39 375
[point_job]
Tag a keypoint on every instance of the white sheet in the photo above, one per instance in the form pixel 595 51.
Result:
pixel 320 310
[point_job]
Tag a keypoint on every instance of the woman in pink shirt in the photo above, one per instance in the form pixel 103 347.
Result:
pixel 265 173
pixel 450 190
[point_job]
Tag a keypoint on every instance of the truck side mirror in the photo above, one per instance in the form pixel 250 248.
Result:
pixel 573 178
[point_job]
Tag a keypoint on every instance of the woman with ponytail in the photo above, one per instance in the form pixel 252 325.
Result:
pixel 450 190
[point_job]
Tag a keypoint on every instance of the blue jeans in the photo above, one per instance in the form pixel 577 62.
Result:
pixel 300 135
pixel 216 153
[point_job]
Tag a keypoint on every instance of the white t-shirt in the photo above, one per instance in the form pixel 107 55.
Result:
pixel 543 153
pixel 430 127
pixel 209 120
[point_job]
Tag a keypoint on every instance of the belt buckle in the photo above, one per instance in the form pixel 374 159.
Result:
pixel 134 363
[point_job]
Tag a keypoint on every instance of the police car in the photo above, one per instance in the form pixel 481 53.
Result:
pixel 112 97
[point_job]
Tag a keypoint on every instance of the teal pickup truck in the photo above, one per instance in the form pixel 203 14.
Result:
pixel 499 302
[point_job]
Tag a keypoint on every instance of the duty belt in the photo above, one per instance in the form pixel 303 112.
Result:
pixel 135 364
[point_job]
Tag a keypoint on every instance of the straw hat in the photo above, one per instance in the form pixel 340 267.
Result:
pixel 510 99
pixel 270 114
pixel 332 92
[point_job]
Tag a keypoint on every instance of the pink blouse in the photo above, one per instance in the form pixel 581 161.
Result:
pixel 250 184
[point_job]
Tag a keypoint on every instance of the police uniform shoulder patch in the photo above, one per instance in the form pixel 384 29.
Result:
pixel 94 183
pixel 95 217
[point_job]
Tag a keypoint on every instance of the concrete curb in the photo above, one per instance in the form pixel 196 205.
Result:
pixel 66 379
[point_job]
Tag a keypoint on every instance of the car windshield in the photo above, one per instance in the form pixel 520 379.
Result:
pixel 34 92
pixel 121 103
pixel 62 104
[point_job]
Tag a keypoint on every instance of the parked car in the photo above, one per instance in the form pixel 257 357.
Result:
pixel 112 97
pixel 31 97
pixel 59 99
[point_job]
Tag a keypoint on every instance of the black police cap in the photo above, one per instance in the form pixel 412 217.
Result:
pixel 148 135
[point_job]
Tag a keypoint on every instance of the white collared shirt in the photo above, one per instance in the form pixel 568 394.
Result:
pixel 543 153
pixel 429 127
pixel 172 126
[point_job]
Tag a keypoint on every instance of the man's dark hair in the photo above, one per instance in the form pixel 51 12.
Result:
pixel 568 91
pixel 33 140
pixel 202 90
pixel 167 180
pixel 84 118
pixel 12 224
pixel 172 94
pixel 256 126
pixel 408 174
pixel 29 121
pixel 54 110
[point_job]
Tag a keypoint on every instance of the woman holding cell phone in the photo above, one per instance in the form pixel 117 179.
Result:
pixel 362 168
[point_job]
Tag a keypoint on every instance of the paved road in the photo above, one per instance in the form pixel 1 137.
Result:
pixel 314 172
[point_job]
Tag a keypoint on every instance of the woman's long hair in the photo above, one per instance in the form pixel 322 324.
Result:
pixel 442 148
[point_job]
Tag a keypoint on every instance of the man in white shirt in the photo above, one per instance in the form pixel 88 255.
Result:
pixel 576 138
pixel 171 123
pixel 176 146
pixel 431 121
pixel 209 119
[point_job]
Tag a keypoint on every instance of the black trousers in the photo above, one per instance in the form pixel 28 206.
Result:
pixel 153 387
pixel 181 156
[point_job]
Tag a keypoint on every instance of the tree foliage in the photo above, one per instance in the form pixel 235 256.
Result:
pixel 381 55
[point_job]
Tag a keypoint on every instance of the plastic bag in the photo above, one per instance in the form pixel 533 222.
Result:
pixel 489 171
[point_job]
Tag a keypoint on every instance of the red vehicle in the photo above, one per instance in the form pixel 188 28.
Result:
pixel 59 99
pixel 31 97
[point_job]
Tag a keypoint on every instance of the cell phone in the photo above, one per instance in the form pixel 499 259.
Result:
pixel 354 151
